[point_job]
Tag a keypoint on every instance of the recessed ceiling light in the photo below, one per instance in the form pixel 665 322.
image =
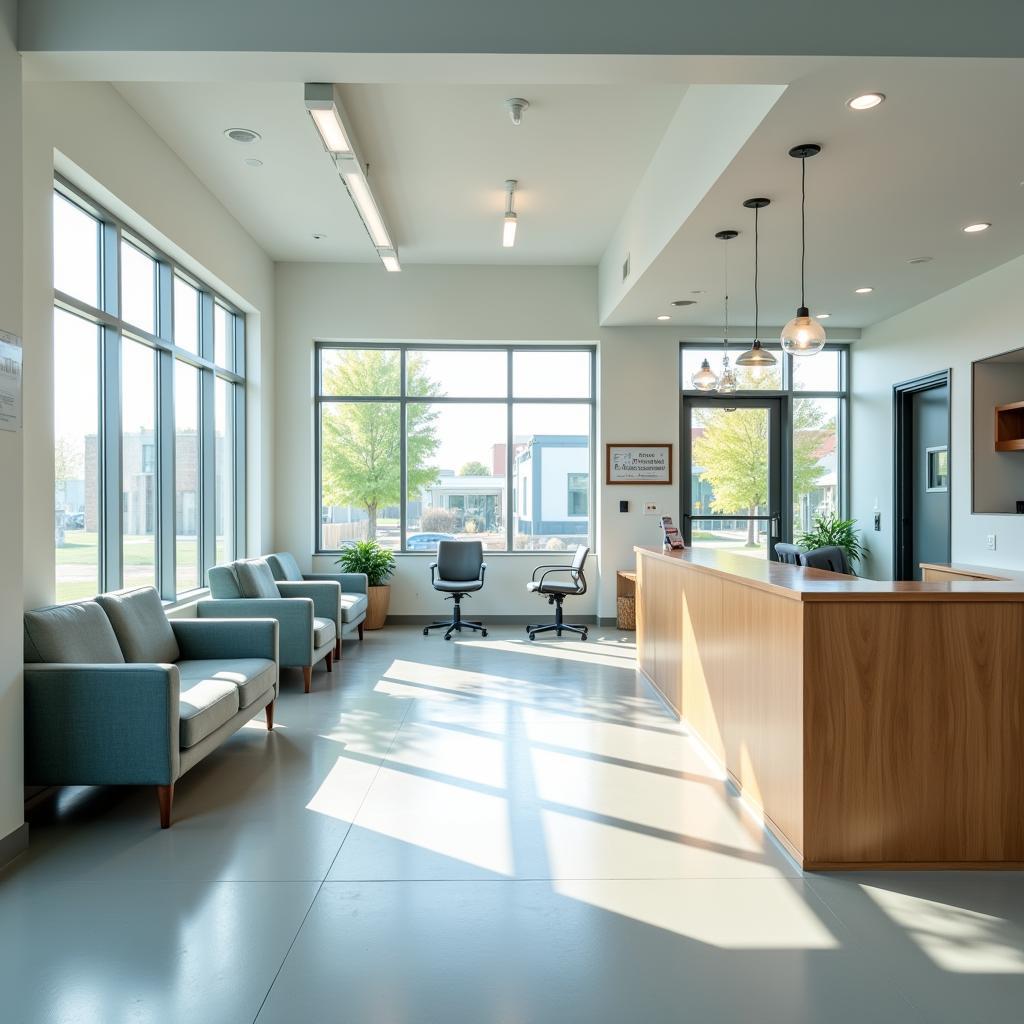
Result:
pixel 920 259
pixel 318 235
pixel 664 316
pixel 251 161
pixel 684 302
pixel 242 135
pixel 973 229
pixel 697 291
pixel 865 101
pixel 863 291
pixel 823 316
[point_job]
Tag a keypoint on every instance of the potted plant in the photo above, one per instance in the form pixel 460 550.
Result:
pixel 831 531
pixel 378 563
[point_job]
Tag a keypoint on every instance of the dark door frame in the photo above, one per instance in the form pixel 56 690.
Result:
pixel 780 481
pixel 903 461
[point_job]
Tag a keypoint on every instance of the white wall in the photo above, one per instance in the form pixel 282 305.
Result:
pixel 979 318
pixel 98 140
pixel 637 395
pixel 11 717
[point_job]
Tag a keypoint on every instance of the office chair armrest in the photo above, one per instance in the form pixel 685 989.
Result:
pixel 550 570
pixel 550 566
pixel 483 569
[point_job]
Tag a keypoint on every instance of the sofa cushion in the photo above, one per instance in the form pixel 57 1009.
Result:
pixel 255 578
pixel 223 582
pixel 71 634
pixel 323 632
pixel 353 606
pixel 203 708
pixel 251 676
pixel 141 625
pixel 284 567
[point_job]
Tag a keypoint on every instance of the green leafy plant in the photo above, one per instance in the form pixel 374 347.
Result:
pixel 369 557
pixel 831 531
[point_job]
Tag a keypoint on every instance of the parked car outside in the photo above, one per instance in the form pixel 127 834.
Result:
pixel 426 541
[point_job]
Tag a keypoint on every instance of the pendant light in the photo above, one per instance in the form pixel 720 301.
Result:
pixel 727 382
pixel 704 379
pixel 756 357
pixel 803 335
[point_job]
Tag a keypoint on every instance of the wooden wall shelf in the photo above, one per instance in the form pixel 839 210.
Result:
pixel 1010 427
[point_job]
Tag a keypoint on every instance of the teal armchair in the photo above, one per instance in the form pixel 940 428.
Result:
pixel 352 607
pixel 306 612
pixel 117 694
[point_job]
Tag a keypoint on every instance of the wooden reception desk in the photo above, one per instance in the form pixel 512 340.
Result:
pixel 874 724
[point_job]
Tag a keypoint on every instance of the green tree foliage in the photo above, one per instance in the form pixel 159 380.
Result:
pixel 733 455
pixel 474 468
pixel 361 454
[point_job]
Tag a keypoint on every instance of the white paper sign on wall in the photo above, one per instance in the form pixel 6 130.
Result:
pixel 10 381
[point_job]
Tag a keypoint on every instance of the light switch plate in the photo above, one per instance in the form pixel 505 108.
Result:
pixel 650 508
pixel 990 542
pixel 878 522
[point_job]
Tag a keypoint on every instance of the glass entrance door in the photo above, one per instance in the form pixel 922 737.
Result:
pixel 732 479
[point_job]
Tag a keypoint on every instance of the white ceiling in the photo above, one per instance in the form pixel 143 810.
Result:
pixel 439 156
pixel 890 184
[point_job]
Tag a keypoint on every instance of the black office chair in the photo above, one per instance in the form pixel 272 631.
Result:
pixel 788 553
pixel 556 592
pixel 458 571
pixel 831 558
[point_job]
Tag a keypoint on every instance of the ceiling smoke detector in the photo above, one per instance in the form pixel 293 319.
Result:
pixel 515 107
pixel 684 302
pixel 242 135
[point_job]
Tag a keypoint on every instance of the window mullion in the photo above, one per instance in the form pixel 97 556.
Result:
pixel 241 540
pixel 509 506
pixel 206 542
pixel 111 543
pixel 403 475
pixel 165 520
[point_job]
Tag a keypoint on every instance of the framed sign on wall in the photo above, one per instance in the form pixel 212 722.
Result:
pixel 638 463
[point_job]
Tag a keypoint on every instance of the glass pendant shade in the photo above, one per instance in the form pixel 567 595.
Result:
pixel 727 382
pixel 756 357
pixel 803 335
pixel 704 379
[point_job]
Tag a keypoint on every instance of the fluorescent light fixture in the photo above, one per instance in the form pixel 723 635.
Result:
pixel 510 223
pixel 664 316
pixel 822 316
pixel 508 231
pixel 864 291
pixel 866 101
pixel 973 229
pixel 367 206
pixel 390 260
pixel 328 115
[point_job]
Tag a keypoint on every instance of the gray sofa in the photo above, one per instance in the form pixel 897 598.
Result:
pixel 352 606
pixel 306 612
pixel 118 694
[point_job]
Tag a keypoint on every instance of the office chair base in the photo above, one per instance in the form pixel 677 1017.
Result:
pixel 456 622
pixel 558 625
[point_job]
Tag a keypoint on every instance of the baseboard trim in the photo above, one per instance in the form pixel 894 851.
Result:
pixel 497 620
pixel 13 845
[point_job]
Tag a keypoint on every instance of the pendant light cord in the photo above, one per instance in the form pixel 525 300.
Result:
pixel 757 213
pixel 803 225
pixel 725 338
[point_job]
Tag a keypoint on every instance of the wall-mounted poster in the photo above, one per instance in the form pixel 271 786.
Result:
pixel 638 463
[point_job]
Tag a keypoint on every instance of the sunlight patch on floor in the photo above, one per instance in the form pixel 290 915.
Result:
pixel 459 755
pixel 692 909
pixel 343 789
pixel 956 939
pixel 562 650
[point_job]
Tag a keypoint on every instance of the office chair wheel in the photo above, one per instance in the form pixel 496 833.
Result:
pixel 483 632
pixel 426 632
pixel 533 636
pixel 447 636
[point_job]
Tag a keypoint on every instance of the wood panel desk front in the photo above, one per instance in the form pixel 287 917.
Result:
pixel 874 724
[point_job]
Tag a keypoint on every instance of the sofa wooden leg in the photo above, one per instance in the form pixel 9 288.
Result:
pixel 337 650
pixel 330 661
pixel 307 677
pixel 360 631
pixel 165 794
pixel 269 712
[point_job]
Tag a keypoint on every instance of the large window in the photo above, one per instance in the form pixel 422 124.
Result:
pixel 148 394
pixel 418 444
pixel 731 453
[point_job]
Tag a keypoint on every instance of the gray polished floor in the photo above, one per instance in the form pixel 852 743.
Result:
pixel 474 832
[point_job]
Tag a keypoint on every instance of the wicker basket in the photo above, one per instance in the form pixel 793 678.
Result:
pixel 625 612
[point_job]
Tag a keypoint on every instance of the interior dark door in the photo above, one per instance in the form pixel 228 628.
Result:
pixel 930 521
pixel 922 475
pixel 732 474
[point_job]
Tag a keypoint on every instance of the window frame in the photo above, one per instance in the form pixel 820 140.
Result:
pixel 112 328
pixel 403 399
pixel 789 395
